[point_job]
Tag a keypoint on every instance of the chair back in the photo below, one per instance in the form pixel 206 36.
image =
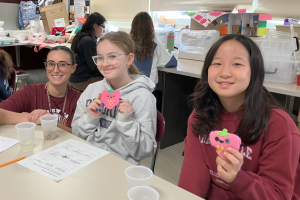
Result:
pixel 160 127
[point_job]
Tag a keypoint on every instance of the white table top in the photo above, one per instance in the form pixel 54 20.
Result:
pixel 193 68
pixel 103 179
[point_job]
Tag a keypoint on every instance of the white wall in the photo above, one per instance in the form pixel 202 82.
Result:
pixel 9 13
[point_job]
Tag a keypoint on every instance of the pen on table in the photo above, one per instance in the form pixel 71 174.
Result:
pixel 12 161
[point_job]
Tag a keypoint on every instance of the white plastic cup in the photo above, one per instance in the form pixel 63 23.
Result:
pixel 49 124
pixel 142 193
pixel 138 176
pixel 175 54
pixel 25 132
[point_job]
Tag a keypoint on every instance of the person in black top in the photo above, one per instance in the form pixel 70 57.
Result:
pixel 84 47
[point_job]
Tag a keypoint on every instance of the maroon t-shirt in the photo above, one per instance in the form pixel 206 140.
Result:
pixel 33 97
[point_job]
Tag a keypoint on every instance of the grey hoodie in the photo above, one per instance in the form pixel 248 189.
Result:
pixel 129 136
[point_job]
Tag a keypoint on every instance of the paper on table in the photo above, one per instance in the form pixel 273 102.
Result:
pixel 6 143
pixel 63 159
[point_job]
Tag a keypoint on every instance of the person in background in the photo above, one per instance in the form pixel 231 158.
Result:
pixel 6 70
pixel 53 97
pixel 149 53
pixel 84 47
pixel 127 130
pixel 231 95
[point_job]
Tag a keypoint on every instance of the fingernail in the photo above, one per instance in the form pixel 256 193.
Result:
pixel 225 153
pixel 100 110
pixel 96 109
pixel 120 99
pixel 102 104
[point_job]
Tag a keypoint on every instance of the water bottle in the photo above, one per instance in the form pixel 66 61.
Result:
pixel 170 41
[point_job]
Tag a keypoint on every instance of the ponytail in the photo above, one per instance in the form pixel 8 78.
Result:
pixel 133 70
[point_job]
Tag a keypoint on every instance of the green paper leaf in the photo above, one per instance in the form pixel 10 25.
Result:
pixel 223 133
pixel 111 91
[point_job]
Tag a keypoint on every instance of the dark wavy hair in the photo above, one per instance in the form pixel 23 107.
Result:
pixel 6 64
pixel 65 49
pixel 87 27
pixel 142 33
pixel 254 114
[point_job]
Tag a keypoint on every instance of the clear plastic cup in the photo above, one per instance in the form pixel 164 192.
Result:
pixel 49 124
pixel 25 132
pixel 142 193
pixel 138 176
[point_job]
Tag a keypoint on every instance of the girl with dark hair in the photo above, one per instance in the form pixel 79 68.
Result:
pixel 6 70
pixel 231 95
pixel 53 97
pixel 127 130
pixel 149 53
pixel 84 47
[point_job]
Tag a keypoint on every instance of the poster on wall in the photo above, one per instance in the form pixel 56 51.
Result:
pixel 79 8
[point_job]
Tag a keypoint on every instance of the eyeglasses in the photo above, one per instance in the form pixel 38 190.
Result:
pixel 61 65
pixel 111 59
pixel 102 26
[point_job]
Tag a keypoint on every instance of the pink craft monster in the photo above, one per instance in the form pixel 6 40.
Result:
pixel 110 98
pixel 223 140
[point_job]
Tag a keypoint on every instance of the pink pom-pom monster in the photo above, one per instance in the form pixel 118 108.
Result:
pixel 222 140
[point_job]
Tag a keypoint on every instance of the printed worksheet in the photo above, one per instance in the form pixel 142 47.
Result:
pixel 6 143
pixel 63 159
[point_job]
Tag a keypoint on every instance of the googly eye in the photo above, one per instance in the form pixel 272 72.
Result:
pixel 217 139
pixel 227 141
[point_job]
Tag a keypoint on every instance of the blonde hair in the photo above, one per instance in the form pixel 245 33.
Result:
pixel 124 42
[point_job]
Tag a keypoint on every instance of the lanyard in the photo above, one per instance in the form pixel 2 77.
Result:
pixel 61 121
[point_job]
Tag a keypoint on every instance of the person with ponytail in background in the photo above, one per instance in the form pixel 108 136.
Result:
pixel 84 47
pixel 127 130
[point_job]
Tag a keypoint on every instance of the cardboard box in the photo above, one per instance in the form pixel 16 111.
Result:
pixel 68 36
pixel 215 25
pixel 54 16
pixel 286 28
pixel 163 20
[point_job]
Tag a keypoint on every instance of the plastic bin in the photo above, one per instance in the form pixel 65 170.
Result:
pixel 7 41
pixel 280 71
pixel 22 80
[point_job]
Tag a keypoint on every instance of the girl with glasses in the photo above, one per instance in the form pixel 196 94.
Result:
pixel 84 47
pixel 127 130
pixel 53 97
pixel 231 95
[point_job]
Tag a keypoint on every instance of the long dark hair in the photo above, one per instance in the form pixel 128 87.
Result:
pixel 65 49
pixel 142 33
pixel 7 64
pixel 253 115
pixel 87 27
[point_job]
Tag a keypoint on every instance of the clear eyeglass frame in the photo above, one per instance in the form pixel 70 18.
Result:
pixel 111 59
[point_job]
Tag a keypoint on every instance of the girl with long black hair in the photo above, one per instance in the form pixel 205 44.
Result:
pixel 84 47
pixel 231 95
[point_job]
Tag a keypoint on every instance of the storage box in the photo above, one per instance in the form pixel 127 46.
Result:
pixel 54 16
pixel 195 44
pixel 286 28
pixel 7 41
pixel 55 39
pixel 215 25
pixel 276 47
pixel 280 71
